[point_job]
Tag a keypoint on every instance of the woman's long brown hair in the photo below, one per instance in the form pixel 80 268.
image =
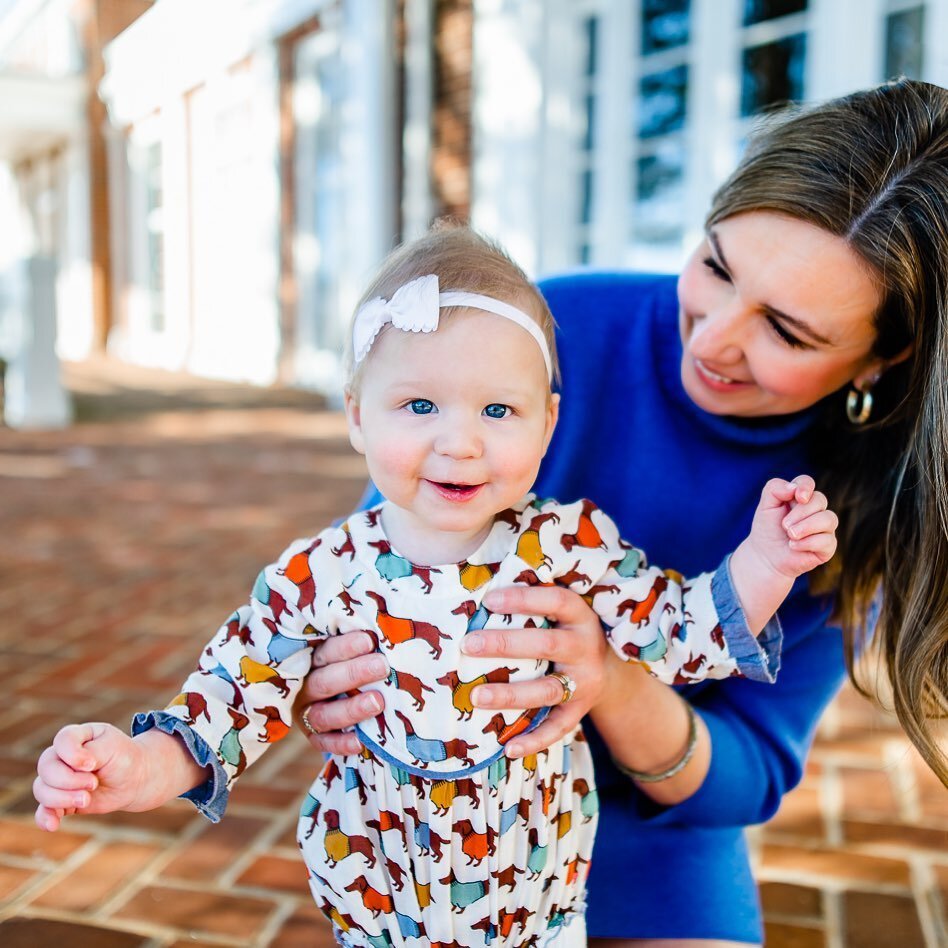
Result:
pixel 872 168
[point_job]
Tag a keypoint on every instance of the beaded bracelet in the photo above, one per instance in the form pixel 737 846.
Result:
pixel 677 767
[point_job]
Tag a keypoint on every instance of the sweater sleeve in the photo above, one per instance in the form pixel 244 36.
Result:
pixel 680 630
pixel 760 734
pixel 239 699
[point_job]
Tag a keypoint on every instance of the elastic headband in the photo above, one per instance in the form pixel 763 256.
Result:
pixel 416 307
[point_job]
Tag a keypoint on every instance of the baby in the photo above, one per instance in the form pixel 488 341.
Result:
pixel 432 835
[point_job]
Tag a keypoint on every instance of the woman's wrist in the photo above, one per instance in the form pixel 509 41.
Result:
pixel 647 728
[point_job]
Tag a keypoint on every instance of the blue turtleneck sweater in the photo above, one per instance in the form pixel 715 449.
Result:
pixel 683 485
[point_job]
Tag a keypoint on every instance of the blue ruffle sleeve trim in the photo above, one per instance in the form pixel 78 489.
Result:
pixel 209 797
pixel 757 657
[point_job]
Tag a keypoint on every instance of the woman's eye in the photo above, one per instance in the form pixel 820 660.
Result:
pixel 421 406
pixel 717 269
pixel 785 336
pixel 497 410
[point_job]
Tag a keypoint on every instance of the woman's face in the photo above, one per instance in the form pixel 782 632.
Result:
pixel 775 314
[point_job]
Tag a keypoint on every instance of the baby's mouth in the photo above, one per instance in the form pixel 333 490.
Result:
pixel 456 492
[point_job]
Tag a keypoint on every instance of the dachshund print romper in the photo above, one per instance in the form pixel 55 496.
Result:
pixel 431 835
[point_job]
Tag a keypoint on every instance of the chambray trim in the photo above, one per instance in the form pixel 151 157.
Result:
pixel 757 657
pixel 428 774
pixel 209 797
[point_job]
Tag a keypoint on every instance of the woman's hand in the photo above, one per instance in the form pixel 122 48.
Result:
pixel 340 664
pixel 576 645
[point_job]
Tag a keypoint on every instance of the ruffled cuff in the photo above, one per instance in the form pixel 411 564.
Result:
pixel 209 797
pixel 757 656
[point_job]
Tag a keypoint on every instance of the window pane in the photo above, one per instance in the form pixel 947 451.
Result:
pixel 586 192
pixel 658 213
pixel 663 101
pixel 773 73
pixel 757 10
pixel 903 43
pixel 592 33
pixel 664 24
pixel 590 118
pixel 154 221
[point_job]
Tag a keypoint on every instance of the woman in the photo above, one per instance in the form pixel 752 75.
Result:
pixel 809 328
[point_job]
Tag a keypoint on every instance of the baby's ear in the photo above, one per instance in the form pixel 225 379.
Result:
pixel 552 416
pixel 354 418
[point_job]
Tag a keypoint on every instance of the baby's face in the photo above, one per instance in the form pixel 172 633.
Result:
pixel 454 423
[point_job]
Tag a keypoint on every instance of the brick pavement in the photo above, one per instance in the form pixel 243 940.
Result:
pixel 112 534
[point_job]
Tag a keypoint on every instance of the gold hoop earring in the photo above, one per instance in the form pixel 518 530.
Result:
pixel 858 406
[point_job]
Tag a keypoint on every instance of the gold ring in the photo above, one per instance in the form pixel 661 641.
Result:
pixel 569 686
pixel 307 724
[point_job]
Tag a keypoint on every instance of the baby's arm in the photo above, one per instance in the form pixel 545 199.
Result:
pixel 792 533
pixel 96 768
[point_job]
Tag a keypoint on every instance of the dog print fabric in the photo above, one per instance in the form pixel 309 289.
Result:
pixel 431 835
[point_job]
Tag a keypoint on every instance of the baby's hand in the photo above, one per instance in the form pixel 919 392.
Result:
pixel 793 530
pixel 90 768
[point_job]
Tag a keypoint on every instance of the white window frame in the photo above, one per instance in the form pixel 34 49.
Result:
pixel 528 156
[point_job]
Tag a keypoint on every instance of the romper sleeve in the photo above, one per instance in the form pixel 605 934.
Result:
pixel 681 630
pixel 239 700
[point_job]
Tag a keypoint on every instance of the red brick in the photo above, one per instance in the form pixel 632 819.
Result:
pixel 778 935
pixel 835 864
pixel 902 835
pixel 45 933
pixel 278 873
pixel 215 849
pixel 23 839
pixel 868 791
pixel 99 877
pixel 171 818
pixel 781 898
pixel 800 814
pixel 876 920
pixel 276 798
pixel 306 928
pixel 12 879
pixel 200 912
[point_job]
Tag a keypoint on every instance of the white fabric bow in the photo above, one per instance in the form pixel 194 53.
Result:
pixel 414 307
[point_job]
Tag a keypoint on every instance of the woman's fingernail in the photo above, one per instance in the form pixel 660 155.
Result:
pixel 472 644
pixel 514 750
pixel 81 800
pixel 372 703
pixel 481 695
pixel 378 666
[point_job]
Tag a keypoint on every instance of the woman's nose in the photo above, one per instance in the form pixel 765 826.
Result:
pixel 719 334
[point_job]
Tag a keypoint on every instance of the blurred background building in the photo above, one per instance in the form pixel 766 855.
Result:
pixel 205 185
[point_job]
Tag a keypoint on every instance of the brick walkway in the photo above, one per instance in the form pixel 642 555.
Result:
pixel 112 534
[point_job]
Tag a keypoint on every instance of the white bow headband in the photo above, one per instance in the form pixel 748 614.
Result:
pixel 416 306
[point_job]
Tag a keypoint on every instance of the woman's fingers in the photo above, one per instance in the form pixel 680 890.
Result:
pixel 560 722
pixel 339 667
pixel 537 693
pixel 326 716
pixel 561 605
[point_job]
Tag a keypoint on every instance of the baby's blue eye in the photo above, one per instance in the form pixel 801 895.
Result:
pixel 497 410
pixel 421 406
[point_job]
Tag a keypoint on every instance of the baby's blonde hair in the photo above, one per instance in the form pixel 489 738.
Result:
pixel 464 260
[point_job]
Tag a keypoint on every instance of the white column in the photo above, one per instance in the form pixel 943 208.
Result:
pixel 368 141
pixel 844 47
pixel 507 118
pixel 417 199
pixel 935 50
pixel 33 393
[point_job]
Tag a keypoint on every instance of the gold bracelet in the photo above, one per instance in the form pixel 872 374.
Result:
pixel 641 777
